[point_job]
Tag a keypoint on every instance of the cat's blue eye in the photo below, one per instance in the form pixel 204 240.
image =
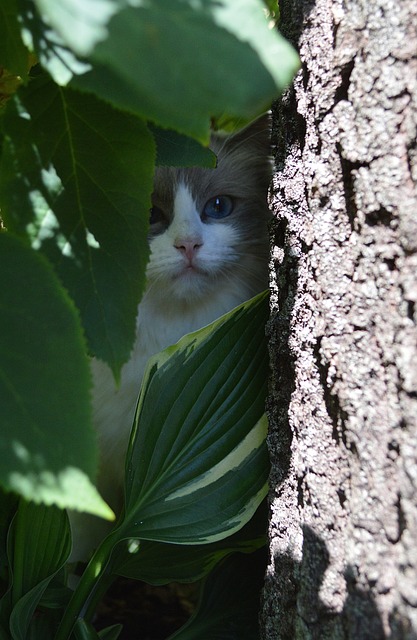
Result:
pixel 218 207
pixel 156 215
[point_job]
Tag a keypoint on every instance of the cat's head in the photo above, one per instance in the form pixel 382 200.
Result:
pixel 209 226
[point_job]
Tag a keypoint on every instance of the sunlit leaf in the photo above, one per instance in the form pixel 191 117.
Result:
pixel 47 445
pixel 155 57
pixel 76 179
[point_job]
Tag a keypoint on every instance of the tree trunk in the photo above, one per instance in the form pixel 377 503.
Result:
pixel 343 337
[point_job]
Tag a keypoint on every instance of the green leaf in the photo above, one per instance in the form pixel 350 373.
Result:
pixel 41 545
pixel 47 444
pixel 82 23
pixel 51 50
pixel 13 53
pixel 76 179
pixel 198 465
pixel 110 633
pixel 153 58
pixel 4 635
pixel 85 631
pixel 160 563
pixel 229 605
pixel 8 506
pixel 56 596
pixel 175 149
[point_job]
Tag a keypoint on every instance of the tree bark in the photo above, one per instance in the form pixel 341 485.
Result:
pixel 343 336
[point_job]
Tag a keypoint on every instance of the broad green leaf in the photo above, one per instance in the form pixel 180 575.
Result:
pixel 13 53
pixel 41 545
pixel 197 462
pixel 161 563
pixel 229 604
pixel 47 444
pixel 155 57
pixel 76 179
pixel 175 149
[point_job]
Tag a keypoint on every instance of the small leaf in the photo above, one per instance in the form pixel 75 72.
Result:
pixel 198 466
pixel 175 149
pixel 84 630
pixel 76 179
pixel 111 633
pixel 47 444
pixel 229 604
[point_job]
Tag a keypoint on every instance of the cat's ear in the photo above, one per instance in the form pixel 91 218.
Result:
pixel 257 134
pixel 250 150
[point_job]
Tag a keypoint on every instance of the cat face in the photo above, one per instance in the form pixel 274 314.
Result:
pixel 209 226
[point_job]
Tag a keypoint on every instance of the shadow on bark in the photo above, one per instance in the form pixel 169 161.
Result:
pixel 282 361
pixel 280 596
pixel 359 619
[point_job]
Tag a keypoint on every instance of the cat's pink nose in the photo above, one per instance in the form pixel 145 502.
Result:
pixel 188 247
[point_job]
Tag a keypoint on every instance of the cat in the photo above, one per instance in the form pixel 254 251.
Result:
pixel 209 248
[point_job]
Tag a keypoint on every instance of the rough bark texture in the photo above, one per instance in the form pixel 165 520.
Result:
pixel 343 406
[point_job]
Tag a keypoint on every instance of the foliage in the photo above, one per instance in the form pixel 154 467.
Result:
pixel 92 94
pixel 203 474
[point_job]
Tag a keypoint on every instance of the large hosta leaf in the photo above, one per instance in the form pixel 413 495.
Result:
pixel 153 57
pixel 47 445
pixel 76 179
pixel 197 463
pixel 160 563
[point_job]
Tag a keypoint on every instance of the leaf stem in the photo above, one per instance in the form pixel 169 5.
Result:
pixel 93 583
